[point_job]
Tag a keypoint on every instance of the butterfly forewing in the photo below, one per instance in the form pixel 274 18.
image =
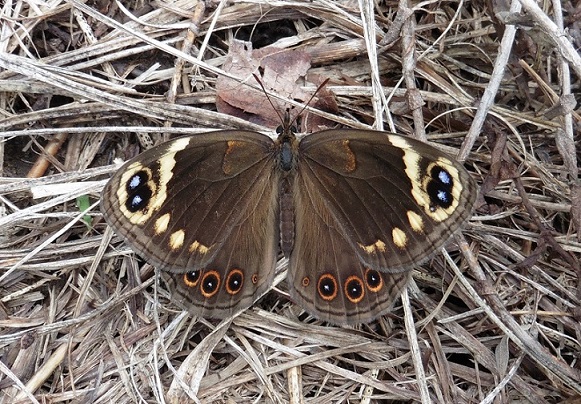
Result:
pixel 178 215
pixel 396 199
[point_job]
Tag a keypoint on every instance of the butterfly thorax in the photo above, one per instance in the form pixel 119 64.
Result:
pixel 286 149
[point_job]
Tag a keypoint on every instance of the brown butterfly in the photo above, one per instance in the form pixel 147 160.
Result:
pixel 353 210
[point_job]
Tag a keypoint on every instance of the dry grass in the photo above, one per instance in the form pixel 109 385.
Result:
pixel 82 320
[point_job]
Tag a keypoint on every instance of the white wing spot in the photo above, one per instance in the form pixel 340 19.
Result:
pixel 176 240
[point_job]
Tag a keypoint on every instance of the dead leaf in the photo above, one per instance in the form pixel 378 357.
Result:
pixel 281 71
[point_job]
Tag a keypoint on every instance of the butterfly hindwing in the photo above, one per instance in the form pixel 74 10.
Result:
pixel 243 267
pixel 325 273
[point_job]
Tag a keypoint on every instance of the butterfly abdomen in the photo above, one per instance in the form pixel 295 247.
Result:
pixel 287 217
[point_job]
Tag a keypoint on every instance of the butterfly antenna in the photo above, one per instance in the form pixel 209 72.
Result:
pixel 268 97
pixel 310 99
pixel 286 122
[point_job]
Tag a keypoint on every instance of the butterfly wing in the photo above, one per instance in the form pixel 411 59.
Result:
pixel 204 207
pixel 381 203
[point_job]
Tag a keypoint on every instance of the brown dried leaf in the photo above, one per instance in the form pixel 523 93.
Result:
pixel 280 71
pixel 325 101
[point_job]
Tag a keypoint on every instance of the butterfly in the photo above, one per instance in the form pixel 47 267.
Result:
pixel 353 210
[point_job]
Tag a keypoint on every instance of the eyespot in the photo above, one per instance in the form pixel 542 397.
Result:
pixel 439 188
pixel 306 281
pixel 210 284
pixel 327 287
pixel 138 192
pixel 191 278
pixel 254 279
pixel 234 281
pixel 354 289
pixel 373 280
